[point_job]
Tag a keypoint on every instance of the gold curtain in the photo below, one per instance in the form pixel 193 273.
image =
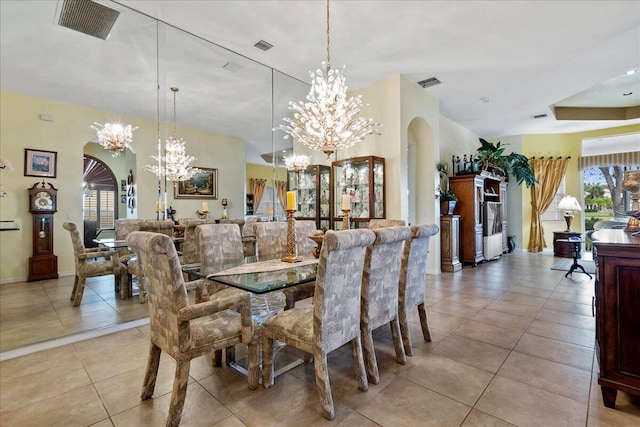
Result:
pixel 281 188
pixel 257 188
pixel 549 173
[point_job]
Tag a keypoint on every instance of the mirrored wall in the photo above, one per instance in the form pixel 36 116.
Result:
pixel 64 80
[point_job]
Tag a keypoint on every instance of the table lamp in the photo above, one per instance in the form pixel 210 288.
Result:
pixel 569 204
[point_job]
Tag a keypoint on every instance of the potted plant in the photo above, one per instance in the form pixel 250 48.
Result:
pixel 492 159
pixel 448 200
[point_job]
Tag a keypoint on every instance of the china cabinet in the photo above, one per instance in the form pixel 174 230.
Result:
pixel 362 179
pixel 312 194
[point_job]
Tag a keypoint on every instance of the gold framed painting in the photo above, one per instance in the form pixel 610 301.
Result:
pixel 202 186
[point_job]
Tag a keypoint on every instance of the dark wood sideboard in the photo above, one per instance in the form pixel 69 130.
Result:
pixel 617 304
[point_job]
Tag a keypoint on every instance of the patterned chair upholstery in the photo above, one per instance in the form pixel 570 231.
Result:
pixel 122 228
pixel 164 226
pixel 185 331
pixel 379 304
pixel 191 244
pixel 249 236
pixel 86 269
pixel 379 223
pixel 219 244
pixel 413 271
pixel 271 240
pixel 334 318
pixel 238 221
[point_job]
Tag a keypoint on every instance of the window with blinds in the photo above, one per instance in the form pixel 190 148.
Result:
pixel 100 206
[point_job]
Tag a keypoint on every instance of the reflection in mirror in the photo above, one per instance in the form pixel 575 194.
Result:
pixel 226 110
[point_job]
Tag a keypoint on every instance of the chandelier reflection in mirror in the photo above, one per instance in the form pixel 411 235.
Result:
pixel 175 162
pixel 297 163
pixel 328 121
pixel 114 137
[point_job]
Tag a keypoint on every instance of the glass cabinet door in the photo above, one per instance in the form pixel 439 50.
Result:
pixel 312 194
pixel 362 179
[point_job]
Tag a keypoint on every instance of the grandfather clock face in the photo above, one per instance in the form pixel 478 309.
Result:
pixel 43 199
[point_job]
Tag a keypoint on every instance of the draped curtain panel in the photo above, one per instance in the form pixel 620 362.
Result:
pixel 281 188
pixel 549 173
pixel 257 188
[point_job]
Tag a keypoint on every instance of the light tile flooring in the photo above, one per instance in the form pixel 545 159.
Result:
pixel 36 311
pixel 512 345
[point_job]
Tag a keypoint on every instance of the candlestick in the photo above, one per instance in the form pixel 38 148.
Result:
pixel 292 249
pixel 205 207
pixel 345 219
pixel 346 202
pixel 291 201
pixel 157 207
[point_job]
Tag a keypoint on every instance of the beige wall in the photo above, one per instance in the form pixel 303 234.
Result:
pixel 67 135
pixel 569 144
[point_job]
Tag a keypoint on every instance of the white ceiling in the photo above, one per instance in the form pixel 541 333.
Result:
pixel 525 56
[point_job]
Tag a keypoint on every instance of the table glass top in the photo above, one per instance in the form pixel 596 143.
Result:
pixel 257 276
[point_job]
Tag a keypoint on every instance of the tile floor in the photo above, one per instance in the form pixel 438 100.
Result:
pixel 512 345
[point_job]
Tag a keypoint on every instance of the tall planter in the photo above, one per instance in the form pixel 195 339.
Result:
pixel 447 206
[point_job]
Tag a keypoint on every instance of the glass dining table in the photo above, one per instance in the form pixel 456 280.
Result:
pixel 263 278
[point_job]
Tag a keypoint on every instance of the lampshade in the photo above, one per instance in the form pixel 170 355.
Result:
pixel 569 203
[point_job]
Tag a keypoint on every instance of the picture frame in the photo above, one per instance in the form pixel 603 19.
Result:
pixel 202 186
pixel 123 198
pixel 123 185
pixel 40 163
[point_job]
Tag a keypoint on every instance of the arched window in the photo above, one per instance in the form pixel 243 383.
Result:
pixel 100 194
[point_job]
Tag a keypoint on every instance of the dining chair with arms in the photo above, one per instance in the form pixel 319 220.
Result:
pixel 332 320
pixel 86 269
pixel 185 331
pixel 191 244
pixel 122 229
pixel 379 304
pixel 413 271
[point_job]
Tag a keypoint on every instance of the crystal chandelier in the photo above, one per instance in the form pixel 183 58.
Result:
pixel 176 161
pixel 114 137
pixel 328 121
pixel 297 163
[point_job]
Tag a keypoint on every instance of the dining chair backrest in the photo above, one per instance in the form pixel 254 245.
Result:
pixel 336 302
pixel 239 221
pixel 413 269
pixel 271 239
pixel 219 243
pixel 122 229
pixel 304 228
pixel 191 244
pixel 164 226
pixel 166 292
pixel 381 274
pixel 380 223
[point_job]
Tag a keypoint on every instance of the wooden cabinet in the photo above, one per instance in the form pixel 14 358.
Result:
pixel 362 178
pixel 617 289
pixel 450 243
pixel 564 249
pixel 312 194
pixel 482 209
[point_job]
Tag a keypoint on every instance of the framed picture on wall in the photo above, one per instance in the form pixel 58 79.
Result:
pixel 40 163
pixel 202 186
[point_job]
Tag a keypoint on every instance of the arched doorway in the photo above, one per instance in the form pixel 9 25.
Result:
pixel 100 196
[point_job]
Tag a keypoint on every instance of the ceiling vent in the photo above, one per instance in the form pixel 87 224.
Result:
pixel 263 45
pixel 88 17
pixel 540 116
pixel 429 82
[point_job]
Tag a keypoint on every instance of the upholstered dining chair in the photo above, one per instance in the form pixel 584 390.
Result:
pixel 271 240
pixel 332 320
pixel 185 331
pixel 413 271
pixel 379 223
pixel 85 269
pixel 219 244
pixel 122 229
pixel 191 244
pixel 379 304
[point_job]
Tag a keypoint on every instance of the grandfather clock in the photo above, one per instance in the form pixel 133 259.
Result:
pixel 43 203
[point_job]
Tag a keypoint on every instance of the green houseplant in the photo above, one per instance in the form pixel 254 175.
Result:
pixel 492 158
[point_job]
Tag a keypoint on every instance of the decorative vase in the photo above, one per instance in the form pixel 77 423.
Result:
pixel 447 207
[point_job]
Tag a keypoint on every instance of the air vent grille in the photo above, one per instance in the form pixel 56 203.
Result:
pixel 540 116
pixel 88 17
pixel 263 45
pixel 429 82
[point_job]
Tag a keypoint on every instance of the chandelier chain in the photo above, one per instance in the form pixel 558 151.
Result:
pixel 328 40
